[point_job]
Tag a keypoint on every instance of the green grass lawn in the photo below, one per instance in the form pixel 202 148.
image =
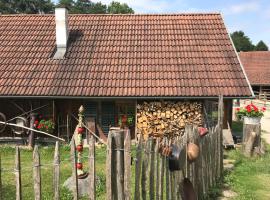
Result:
pixel 46 155
pixel 251 177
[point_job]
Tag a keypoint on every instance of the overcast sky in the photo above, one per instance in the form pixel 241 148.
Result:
pixel 251 16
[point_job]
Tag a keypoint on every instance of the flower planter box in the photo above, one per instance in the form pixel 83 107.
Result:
pixel 252 120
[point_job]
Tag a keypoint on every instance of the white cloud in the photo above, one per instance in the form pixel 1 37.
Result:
pixel 251 6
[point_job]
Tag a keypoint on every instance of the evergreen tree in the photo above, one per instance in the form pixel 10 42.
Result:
pixel 261 46
pixel 241 41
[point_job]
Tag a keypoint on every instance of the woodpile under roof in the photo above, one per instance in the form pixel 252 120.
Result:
pixel 167 118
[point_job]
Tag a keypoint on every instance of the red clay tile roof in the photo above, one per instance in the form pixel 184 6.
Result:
pixel 120 56
pixel 257 66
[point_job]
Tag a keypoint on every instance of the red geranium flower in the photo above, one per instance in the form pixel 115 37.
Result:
pixel 264 108
pixel 237 109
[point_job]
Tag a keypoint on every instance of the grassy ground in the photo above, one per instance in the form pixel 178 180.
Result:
pixel 251 177
pixel 46 155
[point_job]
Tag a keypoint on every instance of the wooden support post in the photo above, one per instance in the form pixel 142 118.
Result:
pixel 127 167
pixel 220 135
pixel 251 139
pixel 36 174
pixel 74 169
pixel 68 130
pixel 138 168
pixel 109 193
pixel 18 174
pixel 56 172
pixel 31 138
pixel 92 168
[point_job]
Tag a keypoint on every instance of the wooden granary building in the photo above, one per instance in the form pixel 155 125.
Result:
pixel 116 66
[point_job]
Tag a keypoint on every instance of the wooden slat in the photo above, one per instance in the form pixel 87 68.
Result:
pixel 18 174
pixel 157 170
pixel 74 170
pixel 56 172
pixel 138 168
pixel 127 167
pixel 145 172
pixel 168 181
pixel 161 175
pixel 92 168
pixel 109 168
pixel 36 174
pixel 152 170
pixel 119 145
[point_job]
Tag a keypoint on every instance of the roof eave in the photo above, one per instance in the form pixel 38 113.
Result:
pixel 125 97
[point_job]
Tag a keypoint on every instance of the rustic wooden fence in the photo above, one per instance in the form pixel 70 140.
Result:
pixel 153 179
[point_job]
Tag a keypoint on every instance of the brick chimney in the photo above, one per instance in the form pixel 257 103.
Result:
pixel 61 29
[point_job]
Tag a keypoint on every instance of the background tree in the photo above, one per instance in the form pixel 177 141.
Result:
pixel 69 4
pixel 118 8
pixel 261 46
pixel 26 6
pixel 241 41
pixel 88 7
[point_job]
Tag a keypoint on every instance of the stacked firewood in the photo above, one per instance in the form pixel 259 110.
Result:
pixel 167 118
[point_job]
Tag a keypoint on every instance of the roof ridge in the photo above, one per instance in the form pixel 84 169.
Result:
pixel 246 52
pixel 137 14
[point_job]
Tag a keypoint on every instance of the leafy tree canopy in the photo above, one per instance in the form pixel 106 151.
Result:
pixel 261 46
pixel 26 6
pixel 117 8
pixel 74 6
pixel 89 7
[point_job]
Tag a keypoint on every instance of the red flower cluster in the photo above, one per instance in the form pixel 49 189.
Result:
pixel 251 107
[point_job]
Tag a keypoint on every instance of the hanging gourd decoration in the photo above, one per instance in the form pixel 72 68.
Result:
pixel 193 152
pixel 79 147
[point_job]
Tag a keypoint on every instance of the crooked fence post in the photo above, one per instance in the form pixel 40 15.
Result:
pixel 74 170
pixel 108 168
pixel 127 166
pixel 1 194
pixel 56 171
pixel 36 174
pixel 92 168
pixel 18 174
pixel 138 168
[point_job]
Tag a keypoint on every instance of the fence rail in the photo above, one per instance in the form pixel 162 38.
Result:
pixel 153 178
